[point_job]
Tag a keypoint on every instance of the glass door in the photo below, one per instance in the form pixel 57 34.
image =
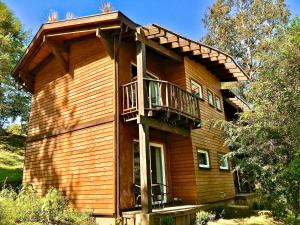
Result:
pixel 157 167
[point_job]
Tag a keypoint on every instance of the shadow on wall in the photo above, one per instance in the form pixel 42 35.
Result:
pixel 57 104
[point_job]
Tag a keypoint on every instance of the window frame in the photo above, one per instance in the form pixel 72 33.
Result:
pixel 218 108
pixel 220 155
pixel 207 156
pixel 193 82
pixel 212 97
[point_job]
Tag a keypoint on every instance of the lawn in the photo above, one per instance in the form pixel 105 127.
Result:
pixel 253 220
pixel 11 159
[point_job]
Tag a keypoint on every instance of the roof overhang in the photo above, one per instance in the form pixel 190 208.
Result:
pixel 231 98
pixel 218 62
pixel 52 36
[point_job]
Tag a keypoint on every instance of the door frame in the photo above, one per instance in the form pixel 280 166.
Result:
pixel 162 147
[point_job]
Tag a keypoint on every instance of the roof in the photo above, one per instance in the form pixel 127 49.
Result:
pixel 54 34
pixel 234 100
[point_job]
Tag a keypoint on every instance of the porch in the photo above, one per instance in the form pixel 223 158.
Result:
pixel 158 115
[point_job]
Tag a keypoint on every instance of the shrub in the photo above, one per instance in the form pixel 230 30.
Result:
pixel 202 218
pixel 28 208
pixel 166 220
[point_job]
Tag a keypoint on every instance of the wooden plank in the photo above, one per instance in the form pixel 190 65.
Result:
pixel 146 200
pixel 43 63
pixel 56 132
pixel 57 51
pixel 106 40
pixel 160 125
pixel 159 48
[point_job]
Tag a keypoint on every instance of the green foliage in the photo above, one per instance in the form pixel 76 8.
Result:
pixel 15 129
pixel 11 159
pixel 244 28
pixel 13 101
pixel 166 220
pixel 267 140
pixel 202 218
pixel 27 207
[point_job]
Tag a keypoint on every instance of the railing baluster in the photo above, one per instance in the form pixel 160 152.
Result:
pixel 127 96
pixel 150 95
pixel 167 96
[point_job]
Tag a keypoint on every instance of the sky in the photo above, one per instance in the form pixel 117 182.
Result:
pixel 181 16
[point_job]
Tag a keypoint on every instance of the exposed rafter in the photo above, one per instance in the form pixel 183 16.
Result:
pixel 59 51
pixel 215 60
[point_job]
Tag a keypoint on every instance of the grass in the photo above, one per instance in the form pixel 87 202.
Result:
pixel 11 158
pixel 253 220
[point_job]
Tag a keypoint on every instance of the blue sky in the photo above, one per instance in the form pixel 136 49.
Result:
pixel 182 16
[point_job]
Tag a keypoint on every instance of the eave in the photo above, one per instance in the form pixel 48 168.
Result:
pixel 42 48
pixel 219 63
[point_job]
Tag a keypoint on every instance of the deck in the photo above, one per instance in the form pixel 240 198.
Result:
pixel 183 214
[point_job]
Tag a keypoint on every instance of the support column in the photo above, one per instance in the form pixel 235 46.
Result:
pixel 143 131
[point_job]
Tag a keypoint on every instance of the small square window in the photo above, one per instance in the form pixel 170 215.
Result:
pixel 196 89
pixel 218 103
pixel 203 159
pixel 210 98
pixel 223 162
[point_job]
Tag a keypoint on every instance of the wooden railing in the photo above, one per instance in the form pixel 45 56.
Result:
pixel 161 95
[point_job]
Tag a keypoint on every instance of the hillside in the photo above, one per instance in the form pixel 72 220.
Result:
pixel 11 159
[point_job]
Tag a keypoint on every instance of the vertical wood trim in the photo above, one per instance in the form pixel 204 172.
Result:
pixel 145 168
pixel 143 131
pixel 141 71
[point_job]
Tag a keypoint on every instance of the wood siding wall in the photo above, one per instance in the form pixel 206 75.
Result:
pixel 212 184
pixel 180 172
pixel 81 163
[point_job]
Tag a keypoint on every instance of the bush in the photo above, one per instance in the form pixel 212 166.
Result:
pixel 28 208
pixel 203 217
pixel 166 220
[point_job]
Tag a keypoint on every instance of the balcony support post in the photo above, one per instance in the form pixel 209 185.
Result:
pixel 146 200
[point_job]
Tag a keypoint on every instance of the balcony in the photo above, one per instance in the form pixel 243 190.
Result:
pixel 163 101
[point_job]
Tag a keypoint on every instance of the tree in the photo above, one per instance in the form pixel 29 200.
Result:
pixel 267 140
pixel 244 28
pixel 14 102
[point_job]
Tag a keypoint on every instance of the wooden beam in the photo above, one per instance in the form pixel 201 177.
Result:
pixel 43 63
pixel 107 41
pixel 167 40
pixel 143 131
pixel 180 43
pixel 28 79
pixel 58 50
pixel 160 125
pixel 159 48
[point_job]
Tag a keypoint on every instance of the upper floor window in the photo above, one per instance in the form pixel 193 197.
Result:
pixel 210 98
pixel 203 159
pixel 218 103
pixel 196 89
pixel 223 162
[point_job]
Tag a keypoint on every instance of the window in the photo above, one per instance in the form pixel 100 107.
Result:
pixel 210 98
pixel 196 89
pixel 203 159
pixel 218 103
pixel 223 162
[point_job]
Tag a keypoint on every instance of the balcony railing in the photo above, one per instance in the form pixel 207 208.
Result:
pixel 161 96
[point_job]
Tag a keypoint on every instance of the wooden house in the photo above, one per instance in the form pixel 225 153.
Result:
pixel 119 109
